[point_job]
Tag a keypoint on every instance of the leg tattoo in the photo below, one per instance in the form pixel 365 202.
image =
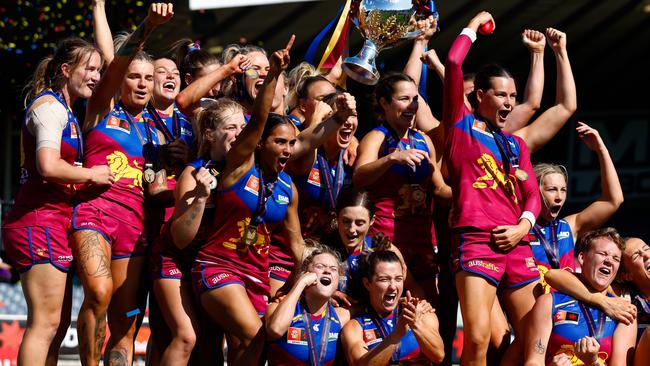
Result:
pixel 93 262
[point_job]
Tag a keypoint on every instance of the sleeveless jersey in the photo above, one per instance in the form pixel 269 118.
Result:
pixel 351 283
pixel 35 192
pixel 320 188
pixel 642 313
pixel 375 329
pixel 120 141
pixel 402 196
pixel 572 321
pixel 486 194
pixel 294 348
pixel 225 247
pixel 552 246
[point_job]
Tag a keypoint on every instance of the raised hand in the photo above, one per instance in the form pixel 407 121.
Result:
pixel 203 180
pixel 239 63
pixel 556 39
pixel 431 59
pixel 533 40
pixel 280 59
pixel 480 19
pixel 586 349
pixel 160 13
pixel 590 136
pixel 346 106
pixel 428 26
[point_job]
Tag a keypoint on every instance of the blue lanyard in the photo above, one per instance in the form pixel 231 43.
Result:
pixel 394 359
pixel 509 158
pixel 148 143
pixel 78 161
pixel 333 183
pixel 595 329
pixel 551 249
pixel 264 192
pixel 317 351
pixel 160 124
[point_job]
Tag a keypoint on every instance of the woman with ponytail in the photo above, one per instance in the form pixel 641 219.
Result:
pixel 35 233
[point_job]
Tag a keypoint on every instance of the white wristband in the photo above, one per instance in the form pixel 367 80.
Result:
pixel 469 33
pixel 528 216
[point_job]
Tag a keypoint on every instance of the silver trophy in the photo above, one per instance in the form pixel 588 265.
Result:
pixel 383 24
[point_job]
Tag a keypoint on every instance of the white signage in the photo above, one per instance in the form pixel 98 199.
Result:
pixel 218 4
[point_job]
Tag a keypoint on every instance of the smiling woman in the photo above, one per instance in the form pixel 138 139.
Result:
pixel 563 328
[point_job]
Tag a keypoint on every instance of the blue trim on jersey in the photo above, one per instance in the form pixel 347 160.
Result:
pixel 479 130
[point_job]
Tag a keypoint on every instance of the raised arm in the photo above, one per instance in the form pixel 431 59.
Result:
pixel 279 314
pixel 542 130
pixel 192 192
pixel 317 133
pixel 453 93
pixel 615 307
pixel 597 213
pixel 99 104
pixel 240 157
pixel 103 36
pixel 539 331
pixel 413 66
pixel 535 42
pixel 189 100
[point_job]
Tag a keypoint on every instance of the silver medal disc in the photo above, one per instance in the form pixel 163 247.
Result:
pixel 149 175
pixel 213 183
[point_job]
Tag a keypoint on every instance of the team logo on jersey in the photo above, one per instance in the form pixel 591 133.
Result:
pixel 530 262
pixel 115 123
pixel 296 336
pixel 282 200
pixel 119 164
pixel 371 337
pixel 73 131
pixel 563 235
pixel 494 176
pixel 314 177
pixel 481 127
pixel 253 184
pixel 565 317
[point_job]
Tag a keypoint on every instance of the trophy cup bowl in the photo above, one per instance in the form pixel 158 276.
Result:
pixel 382 24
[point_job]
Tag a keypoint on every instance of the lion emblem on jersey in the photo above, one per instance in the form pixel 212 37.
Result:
pixel 575 361
pixel 119 164
pixel 494 175
pixel 263 238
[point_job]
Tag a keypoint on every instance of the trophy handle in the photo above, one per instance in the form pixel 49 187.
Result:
pixel 362 66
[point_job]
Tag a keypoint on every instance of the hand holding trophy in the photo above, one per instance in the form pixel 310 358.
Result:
pixel 383 24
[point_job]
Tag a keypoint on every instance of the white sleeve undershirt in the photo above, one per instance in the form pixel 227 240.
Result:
pixel 47 122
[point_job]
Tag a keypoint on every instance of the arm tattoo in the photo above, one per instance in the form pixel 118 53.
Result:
pixel 196 210
pixel 539 347
pixel 93 261
pixel 118 357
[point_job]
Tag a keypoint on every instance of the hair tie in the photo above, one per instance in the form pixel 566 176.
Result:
pixel 194 46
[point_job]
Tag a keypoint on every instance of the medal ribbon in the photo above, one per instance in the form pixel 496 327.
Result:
pixel 394 358
pixel 401 145
pixel 162 126
pixel 72 119
pixel 644 303
pixel 334 183
pixel 598 334
pixel 551 249
pixel 148 143
pixel 265 190
pixel 509 158
pixel 317 355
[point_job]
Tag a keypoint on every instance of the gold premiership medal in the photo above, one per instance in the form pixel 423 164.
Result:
pixel 521 174
pixel 149 175
pixel 250 236
pixel 334 225
pixel 417 194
